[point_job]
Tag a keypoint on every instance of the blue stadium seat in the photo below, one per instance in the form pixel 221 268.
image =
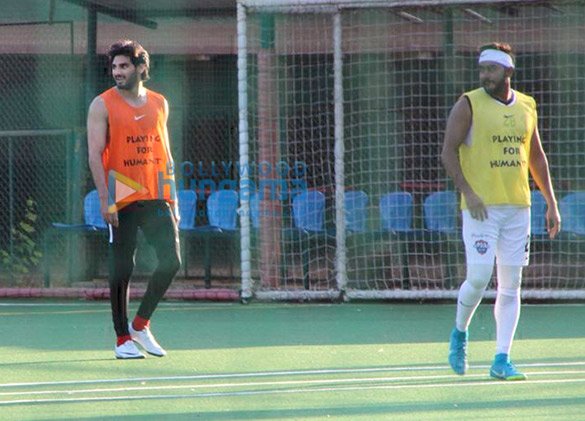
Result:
pixel 92 216
pixel 356 211
pixel 308 211
pixel 538 214
pixel 572 208
pixel 255 211
pixel 308 214
pixel 440 214
pixel 222 207
pixel 440 210
pixel 396 211
pixel 93 224
pixel 542 247
pixel 222 210
pixel 187 208
pixel 92 211
pixel 572 244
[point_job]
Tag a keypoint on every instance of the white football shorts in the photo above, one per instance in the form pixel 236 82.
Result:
pixel 504 235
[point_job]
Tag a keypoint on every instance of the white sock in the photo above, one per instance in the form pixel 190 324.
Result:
pixel 507 307
pixel 506 313
pixel 467 302
pixel 471 293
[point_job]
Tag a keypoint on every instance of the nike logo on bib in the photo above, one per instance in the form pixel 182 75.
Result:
pixel 138 117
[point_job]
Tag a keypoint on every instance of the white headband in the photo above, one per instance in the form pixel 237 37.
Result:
pixel 496 56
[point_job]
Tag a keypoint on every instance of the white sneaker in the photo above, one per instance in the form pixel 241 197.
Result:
pixel 145 339
pixel 127 351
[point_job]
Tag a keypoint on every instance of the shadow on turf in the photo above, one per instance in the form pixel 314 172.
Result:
pixel 417 410
pixel 89 360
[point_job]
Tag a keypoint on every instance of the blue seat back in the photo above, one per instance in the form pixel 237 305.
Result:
pixel 440 211
pixel 187 208
pixel 356 210
pixel 308 210
pixel 537 213
pixel 92 210
pixel 572 208
pixel 396 211
pixel 222 209
pixel 255 210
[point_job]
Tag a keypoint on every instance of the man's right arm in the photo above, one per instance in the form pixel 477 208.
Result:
pixel 97 128
pixel 458 126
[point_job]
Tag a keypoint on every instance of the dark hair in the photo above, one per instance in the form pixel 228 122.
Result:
pixel 500 46
pixel 134 51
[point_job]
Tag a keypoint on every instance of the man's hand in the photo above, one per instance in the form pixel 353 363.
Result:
pixel 476 207
pixel 553 221
pixel 110 217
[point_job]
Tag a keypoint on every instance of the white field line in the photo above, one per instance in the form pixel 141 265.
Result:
pixel 274 374
pixel 291 391
pixel 270 383
pixel 242 384
pixel 231 376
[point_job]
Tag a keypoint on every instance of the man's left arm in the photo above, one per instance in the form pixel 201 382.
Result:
pixel 175 205
pixel 539 169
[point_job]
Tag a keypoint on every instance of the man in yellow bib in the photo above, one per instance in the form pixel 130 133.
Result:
pixel 491 143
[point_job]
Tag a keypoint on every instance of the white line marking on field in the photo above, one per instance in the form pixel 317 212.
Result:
pixel 242 384
pixel 273 374
pixel 291 391
pixel 269 383
pixel 232 375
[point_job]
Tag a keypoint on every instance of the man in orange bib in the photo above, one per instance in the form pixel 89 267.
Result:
pixel 129 155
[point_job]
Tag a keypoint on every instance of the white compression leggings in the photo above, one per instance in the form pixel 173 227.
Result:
pixel 507 307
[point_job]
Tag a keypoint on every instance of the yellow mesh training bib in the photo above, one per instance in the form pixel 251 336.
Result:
pixel 494 159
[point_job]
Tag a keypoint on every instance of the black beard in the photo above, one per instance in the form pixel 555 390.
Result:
pixel 124 86
pixel 128 84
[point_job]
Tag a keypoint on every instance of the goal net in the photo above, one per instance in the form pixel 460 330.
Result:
pixel 343 107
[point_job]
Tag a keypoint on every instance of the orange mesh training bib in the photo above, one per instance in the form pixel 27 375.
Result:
pixel 136 146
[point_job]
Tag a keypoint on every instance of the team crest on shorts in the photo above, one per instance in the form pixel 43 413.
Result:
pixel 481 246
